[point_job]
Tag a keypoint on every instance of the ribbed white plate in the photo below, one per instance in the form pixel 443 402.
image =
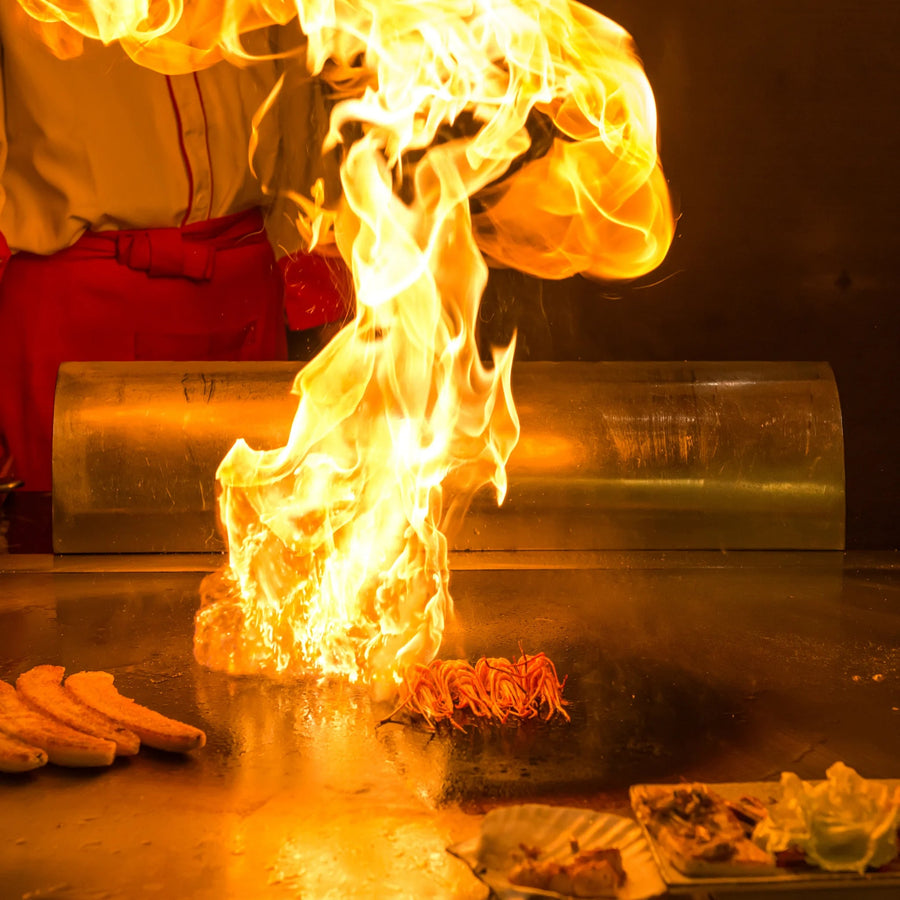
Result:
pixel 551 829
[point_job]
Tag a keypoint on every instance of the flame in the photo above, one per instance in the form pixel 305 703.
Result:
pixel 515 132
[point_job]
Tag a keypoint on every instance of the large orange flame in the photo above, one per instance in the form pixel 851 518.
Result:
pixel 518 131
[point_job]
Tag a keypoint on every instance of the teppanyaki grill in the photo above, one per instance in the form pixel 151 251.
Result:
pixel 686 656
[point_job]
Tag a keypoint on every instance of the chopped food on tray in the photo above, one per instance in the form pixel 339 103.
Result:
pixel 842 824
pixel 698 831
pixel 84 722
pixel 589 873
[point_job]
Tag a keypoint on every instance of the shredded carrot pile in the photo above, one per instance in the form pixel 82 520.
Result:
pixel 493 689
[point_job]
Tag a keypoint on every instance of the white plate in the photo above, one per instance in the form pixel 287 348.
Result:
pixel 551 829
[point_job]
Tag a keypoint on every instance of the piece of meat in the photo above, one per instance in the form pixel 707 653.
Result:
pixel 63 745
pixel 545 876
pixel 96 689
pixel 593 879
pixel 608 858
pixel 17 756
pixel 592 873
pixel 41 688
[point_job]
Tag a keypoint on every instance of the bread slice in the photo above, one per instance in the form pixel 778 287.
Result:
pixel 63 745
pixel 17 756
pixel 96 689
pixel 41 688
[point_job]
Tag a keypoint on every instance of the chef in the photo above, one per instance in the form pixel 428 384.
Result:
pixel 132 226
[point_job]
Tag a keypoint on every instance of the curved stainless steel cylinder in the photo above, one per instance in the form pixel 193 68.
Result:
pixel 625 455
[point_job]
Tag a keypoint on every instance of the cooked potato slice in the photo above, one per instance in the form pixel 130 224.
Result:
pixel 96 689
pixel 17 756
pixel 63 745
pixel 41 688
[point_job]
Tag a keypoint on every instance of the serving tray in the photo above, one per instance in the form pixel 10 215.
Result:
pixel 806 880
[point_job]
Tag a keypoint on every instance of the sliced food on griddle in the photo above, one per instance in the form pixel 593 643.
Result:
pixel 96 689
pixel 41 688
pixel 63 745
pixel 17 756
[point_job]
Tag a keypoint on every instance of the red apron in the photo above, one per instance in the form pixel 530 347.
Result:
pixel 208 291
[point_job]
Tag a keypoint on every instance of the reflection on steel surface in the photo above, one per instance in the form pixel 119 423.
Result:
pixel 696 666
pixel 626 455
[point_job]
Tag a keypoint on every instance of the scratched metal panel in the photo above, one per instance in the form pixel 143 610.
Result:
pixel 634 455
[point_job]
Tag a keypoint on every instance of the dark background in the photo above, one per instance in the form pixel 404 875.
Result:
pixel 780 137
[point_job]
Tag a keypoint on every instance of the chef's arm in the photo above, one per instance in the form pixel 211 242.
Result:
pixel 296 123
pixel 318 286
pixel 578 209
pixel 588 196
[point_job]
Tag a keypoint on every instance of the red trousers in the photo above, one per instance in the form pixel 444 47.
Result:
pixel 210 291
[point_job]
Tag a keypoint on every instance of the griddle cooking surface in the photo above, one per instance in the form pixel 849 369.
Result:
pixel 714 668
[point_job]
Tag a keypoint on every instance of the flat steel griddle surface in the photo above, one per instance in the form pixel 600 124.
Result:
pixel 699 666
